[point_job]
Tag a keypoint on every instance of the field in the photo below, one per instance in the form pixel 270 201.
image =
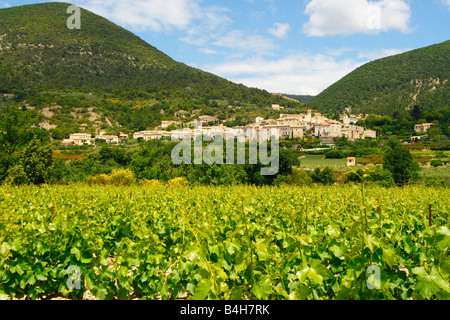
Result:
pixel 313 161
pixel 239 242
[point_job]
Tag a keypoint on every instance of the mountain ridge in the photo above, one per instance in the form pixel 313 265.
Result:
pixel 40 53
pixel 393 84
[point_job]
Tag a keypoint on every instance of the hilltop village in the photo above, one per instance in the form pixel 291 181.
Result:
pixel 287 126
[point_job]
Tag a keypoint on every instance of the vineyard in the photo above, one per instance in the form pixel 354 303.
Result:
pixel 228 243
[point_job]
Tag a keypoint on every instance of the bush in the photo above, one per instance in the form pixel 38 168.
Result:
pixel 151 183
pixel 299 178
pixel 178 182
pixel 17 176
pixel 325 176
pixel 122 177
pixel 382 177
pixel 118 177
pixel 335 154
pixel 99 179
pixel 279 180
pixel 436 163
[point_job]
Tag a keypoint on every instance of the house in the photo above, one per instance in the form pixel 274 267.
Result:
pixel 349 120
pixel 108 138
pixel 276 107
pixel 149 135
pixel 351 161
pixel 352 132
pixel 321 129
pixel 289 121
pixel 259 119
pixel 123 136
pixel 166 124
pixel 423 127
pixel 207 119
pixel 79 139
pixel 416 138
pixel 183 134
pixel 297 132
pixel 370 134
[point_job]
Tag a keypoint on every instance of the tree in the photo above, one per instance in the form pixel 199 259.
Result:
pixel 416 113
pixel 14 132
pixel 288 160
pixel 325 176
pixel 299 178
pixel 13 126
pixel 399 162
pixel 37 161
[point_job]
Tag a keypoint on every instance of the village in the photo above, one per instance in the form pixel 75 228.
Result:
pixel 287 126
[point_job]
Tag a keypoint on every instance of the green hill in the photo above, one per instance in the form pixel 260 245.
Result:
pixel 393 84
pixel 44 63
pixel 40 53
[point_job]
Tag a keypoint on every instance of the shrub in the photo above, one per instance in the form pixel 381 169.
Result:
pixel 436 163
pixel 150 183
pixel 178 182
pixel 382 177
pixel 325 176
pixel 335 154
pixel 279 180
pixel 99 179
pixel 299 178
pixel 17 176
pixel 118 177
pixel 122 177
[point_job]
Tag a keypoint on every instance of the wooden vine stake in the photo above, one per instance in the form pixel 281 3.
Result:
pixel 53 212
pixel 430 222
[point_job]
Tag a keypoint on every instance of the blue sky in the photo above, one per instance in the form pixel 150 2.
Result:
pixel 284 46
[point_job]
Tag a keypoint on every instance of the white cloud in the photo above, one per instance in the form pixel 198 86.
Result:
pixel 207 51
pixel 280 30
pixel 154 14
pixel 446 3
pixel 243 43
pixel 299 73
pixel 213 23
pixel 335 17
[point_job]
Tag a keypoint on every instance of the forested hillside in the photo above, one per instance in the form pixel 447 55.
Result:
pixel 107 68
pixel 393 84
